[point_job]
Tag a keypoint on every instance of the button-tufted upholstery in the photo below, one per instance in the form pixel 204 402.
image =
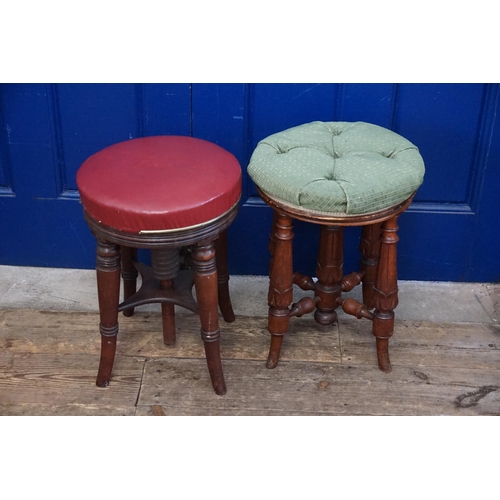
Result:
pixel 338 168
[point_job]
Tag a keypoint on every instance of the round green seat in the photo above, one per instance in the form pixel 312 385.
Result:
pixel 337 168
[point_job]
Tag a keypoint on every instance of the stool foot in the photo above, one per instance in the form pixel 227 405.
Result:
pixel 278 322
pixel 383 355
pixel 108 349
pixel 274 351
pixel 225 305
pixel 212 352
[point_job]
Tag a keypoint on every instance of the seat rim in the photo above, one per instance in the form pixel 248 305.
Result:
pixel 335 219
pixel 173 238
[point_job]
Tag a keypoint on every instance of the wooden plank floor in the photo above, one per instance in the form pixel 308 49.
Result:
pixel 48 363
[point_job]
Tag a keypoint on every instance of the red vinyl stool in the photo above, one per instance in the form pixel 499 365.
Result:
pixel 176 196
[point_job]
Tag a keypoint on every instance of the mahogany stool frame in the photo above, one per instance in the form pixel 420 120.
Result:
pixel 378 274
pixel 206 250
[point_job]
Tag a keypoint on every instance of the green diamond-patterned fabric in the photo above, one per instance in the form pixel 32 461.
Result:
pixel 342 168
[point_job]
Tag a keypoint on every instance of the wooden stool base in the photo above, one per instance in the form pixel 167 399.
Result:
pixel 164 283
pixel 377 275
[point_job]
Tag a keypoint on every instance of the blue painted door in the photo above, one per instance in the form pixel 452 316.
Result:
pixel 450 232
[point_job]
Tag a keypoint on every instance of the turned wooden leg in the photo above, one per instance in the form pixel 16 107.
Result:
pixel 168 316
pixel 108 291
pixel 225 305
pixel 329 273
pixel 280 285
pixel 165 263
pixel 370 251
pixel 272 240
pixel 205 280
pixel 129 275
pixel 385 293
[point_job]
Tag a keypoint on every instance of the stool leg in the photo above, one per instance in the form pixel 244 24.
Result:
pixel 225 305
pixel 165 263
pixel 280 285
pixel 329 273
pixel 205 280
pixel 386 293
pixel 272 240
pixel 168 316
pixel 370 251
pixel 108 291
pixel 129 275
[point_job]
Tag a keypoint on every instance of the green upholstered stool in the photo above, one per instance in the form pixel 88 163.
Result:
pixel 336 174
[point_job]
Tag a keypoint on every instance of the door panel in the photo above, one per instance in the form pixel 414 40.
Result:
pixel 449 233
pixel 48 131
pixel 443 120
pixel 374 103
pixel 89 118
pixel 278 107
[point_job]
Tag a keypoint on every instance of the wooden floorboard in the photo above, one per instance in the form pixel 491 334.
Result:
pixel 452 345
pixel 75 410
pixel 49 359
pixel 66 379
pixel 181 386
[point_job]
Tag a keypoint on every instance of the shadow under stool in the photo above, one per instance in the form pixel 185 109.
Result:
pixel 175 196
pixel 336 174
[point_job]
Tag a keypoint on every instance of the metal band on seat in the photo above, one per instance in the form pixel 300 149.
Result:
pixel 169 238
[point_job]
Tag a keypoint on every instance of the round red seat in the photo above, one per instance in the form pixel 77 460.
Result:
pixel 159 183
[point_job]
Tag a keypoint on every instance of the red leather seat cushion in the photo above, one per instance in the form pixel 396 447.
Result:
pixel 158 183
